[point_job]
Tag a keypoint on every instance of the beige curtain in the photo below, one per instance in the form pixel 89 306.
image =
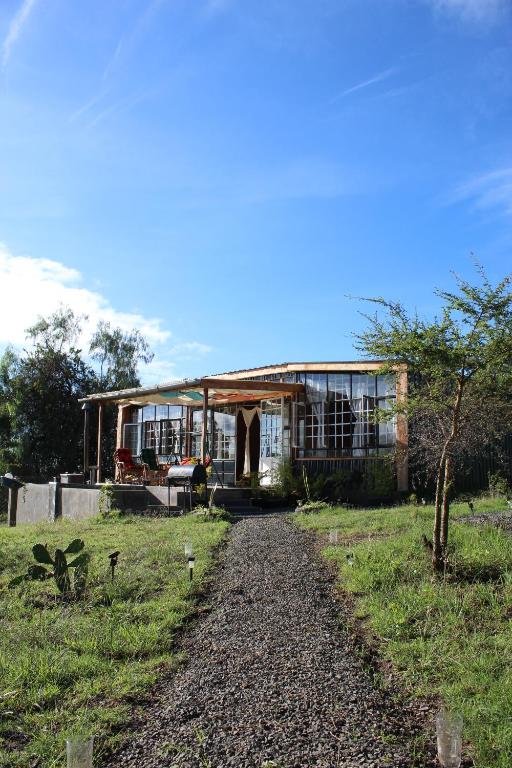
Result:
pixel 248 414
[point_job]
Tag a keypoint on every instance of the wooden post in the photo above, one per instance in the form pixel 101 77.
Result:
pixel 204 435
pixel 100 439
pixel 12 507
pixel 86 408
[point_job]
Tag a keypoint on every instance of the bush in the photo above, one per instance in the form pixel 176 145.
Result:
pixel 498 485
pixel 106 508
pixel 212 514
pixel 309 507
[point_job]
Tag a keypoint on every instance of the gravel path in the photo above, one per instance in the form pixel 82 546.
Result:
pixel 272 678
pixel 498 519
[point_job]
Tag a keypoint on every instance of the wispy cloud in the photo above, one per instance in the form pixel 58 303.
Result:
pixel 487 191
pixel 15 29
pixel 378 78
pixel 472 10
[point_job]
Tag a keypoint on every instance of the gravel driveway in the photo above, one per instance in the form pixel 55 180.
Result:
pixel 271 678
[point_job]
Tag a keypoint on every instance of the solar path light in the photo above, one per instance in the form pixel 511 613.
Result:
pixel 191 563
pixel 79 752
pixel 113 562
pixel 449 738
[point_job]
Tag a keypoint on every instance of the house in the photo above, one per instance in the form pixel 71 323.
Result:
pixel 318 415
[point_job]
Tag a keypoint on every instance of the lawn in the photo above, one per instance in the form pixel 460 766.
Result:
pixel 69 667
pixel 452 637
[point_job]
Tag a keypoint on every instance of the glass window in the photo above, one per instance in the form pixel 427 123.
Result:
pixel 132 438
pixel 171 435
pixel 162 412
pixel 386 385
pixel 363 385
pixel 315 426
pixel 148 413
pixel 386 428
pixel 316 387
pixel 271 435
pixel 197 431
pixel 152 435
pixel 224 430
pixel 339 386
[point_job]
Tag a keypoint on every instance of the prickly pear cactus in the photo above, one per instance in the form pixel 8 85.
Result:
pixel 61 568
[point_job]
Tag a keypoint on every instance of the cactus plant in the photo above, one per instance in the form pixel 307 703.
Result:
pixel 61 567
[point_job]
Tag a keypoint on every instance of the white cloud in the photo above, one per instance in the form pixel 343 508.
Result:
pixel 488 190
pixel 15 29
pixel 472 10
pixel 31 287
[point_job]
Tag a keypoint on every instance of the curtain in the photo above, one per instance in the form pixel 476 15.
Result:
pixel 248 414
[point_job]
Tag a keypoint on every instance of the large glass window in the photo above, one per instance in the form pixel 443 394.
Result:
pixel 158 427
pixel 339 415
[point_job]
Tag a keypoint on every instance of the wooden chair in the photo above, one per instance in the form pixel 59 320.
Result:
pixel 154 470
pixel 127 470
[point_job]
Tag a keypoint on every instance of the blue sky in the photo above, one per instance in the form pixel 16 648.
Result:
pixel 223 173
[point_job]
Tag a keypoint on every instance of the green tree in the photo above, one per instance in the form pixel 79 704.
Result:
pixel 42 387
pixel 7 446
pixel 118 354
pixel 460 377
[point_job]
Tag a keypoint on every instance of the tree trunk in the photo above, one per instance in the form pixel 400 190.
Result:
pixel 446 505
pixel 437 552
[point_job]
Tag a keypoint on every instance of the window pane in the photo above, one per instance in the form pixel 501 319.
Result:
pixel 224 428
pixel 171 436
pixel 316 387
pixel 386 385
pixel 363 385
pixel 131 438
pixel 271 435
pixel 151 437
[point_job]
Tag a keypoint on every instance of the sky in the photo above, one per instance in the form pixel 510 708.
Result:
pixel 225 175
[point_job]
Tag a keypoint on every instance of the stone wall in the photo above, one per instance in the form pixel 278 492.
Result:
pixel 47 502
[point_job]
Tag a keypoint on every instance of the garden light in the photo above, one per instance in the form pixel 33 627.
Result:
pixel 113 562
pixel 191 563
pixel 449 738
pixel 79 752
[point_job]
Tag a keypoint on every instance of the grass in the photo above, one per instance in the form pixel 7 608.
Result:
pixel 76 667
pixel 448 637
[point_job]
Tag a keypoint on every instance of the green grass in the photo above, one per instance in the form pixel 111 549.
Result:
pixel 451 638
pixel 77 667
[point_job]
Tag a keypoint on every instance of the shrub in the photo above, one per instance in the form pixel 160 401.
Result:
pixel 212 514
pixel 498 484
pixel 106 508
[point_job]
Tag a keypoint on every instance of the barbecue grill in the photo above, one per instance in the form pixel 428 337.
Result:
pixel 186 475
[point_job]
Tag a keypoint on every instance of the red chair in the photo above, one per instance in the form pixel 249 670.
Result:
pixel 127 470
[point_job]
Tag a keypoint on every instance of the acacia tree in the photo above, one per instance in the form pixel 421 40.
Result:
pixel 460 377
